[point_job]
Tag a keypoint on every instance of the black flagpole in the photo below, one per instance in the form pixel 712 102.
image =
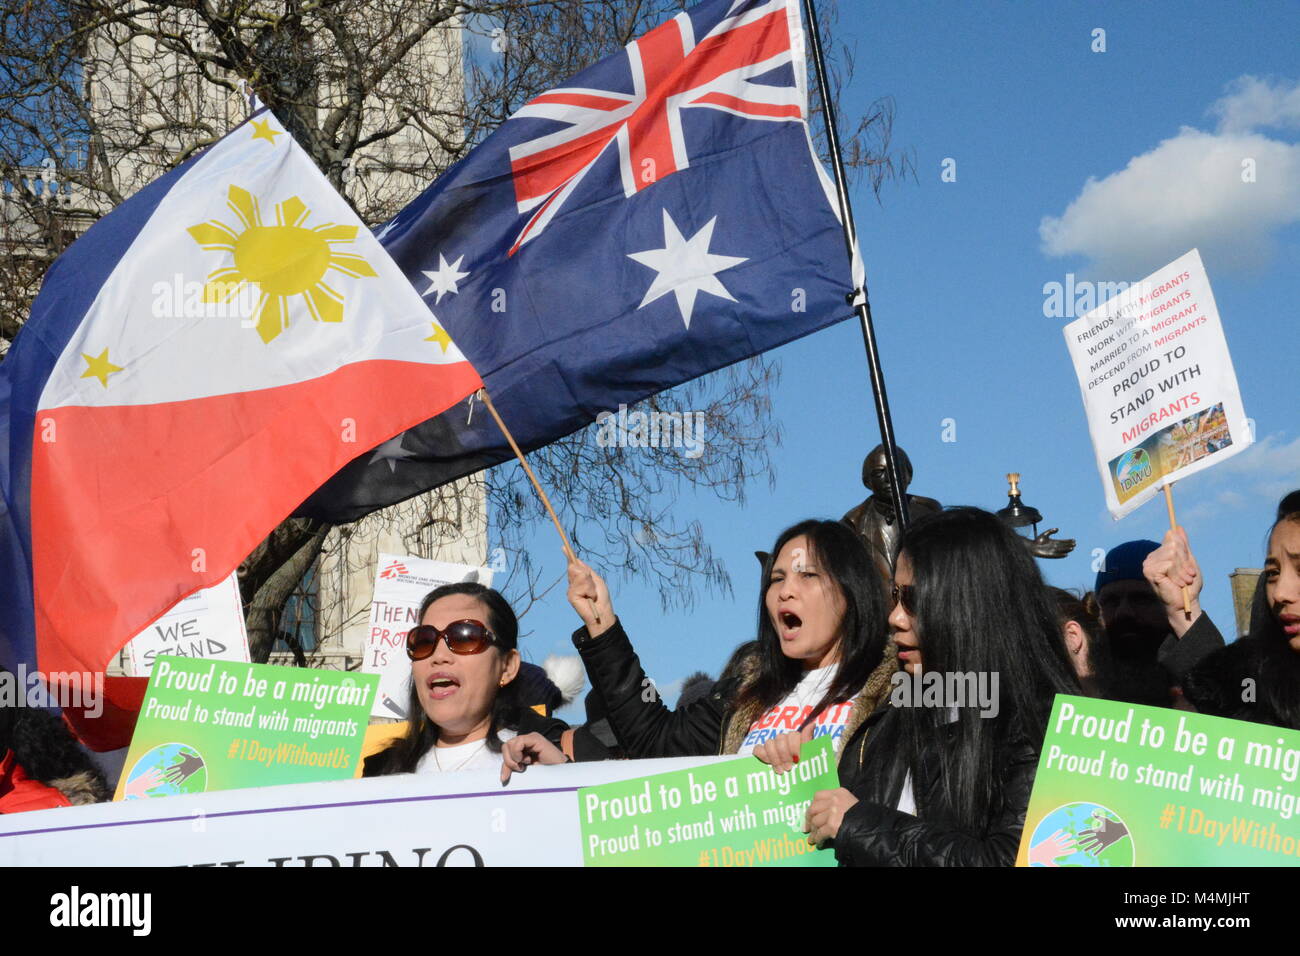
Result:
pixel 850 240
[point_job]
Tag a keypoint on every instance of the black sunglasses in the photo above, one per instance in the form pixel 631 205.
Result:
pixel 905 594
pixel 462 637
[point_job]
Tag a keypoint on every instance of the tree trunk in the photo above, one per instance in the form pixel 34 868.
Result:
pixel 269 576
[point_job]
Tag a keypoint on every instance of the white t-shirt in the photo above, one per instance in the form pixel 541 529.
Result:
pixel 785 717
pixel 474 756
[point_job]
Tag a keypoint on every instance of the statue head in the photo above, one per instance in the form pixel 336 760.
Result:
pixel 875 475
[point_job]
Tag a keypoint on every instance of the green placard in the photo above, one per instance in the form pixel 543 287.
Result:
pixel 221 725
pixel 1127 785
pixel 731 813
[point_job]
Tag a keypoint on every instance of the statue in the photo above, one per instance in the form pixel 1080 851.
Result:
pixel 1017 514
pixel 874 519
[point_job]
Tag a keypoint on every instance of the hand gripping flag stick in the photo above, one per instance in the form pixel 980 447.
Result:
pixel 564 538
pixel 1173 525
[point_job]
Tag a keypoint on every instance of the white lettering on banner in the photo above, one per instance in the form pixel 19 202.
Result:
pixel 441 819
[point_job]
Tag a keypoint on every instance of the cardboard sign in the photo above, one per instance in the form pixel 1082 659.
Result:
pixel 738 812
pixel 219 725
pixel 1127 785
pixel 1158 386
pixel 401 584
pixel 207 625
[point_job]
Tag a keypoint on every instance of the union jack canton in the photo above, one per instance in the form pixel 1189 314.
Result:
pixel 660 216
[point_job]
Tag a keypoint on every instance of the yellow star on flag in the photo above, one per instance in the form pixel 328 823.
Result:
pixel 440 336
pixel 100 368
pixel 262 130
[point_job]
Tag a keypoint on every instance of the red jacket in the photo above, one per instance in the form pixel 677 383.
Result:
pixel 19 792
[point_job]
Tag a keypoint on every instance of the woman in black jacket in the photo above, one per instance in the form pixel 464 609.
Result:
pixel 1257 678
pixel 820 663
pixel 948 783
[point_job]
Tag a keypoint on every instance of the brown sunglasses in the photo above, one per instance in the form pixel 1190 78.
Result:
pixel 462 637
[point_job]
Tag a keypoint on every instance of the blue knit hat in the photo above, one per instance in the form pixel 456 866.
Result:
pixel 1124 563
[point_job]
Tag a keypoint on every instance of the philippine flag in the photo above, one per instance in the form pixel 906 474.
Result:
pixel 197 364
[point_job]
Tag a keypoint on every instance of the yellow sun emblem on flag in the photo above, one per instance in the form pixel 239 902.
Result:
pixel 282 260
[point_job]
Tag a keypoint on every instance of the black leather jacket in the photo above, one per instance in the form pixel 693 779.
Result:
pixel 874 833
pixel 645 727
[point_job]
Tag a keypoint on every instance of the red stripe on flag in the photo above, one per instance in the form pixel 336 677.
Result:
pixel 580 99
pixel 749 107
pixel 752 43
pixel 544 172
pixel 134 507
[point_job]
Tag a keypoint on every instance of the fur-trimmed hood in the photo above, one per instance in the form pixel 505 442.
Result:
pixel 873 694
pixel 46 750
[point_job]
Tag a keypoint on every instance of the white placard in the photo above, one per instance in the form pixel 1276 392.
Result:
pixel 401 583
pixel 1158 386
pixel 208 624
pixel 435 819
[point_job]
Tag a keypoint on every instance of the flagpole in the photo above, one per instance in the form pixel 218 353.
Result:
pixel 537 485
pixel 863 308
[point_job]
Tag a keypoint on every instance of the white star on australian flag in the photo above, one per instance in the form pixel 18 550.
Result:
pixel 685 267
pixel 445 278
pixel 392 452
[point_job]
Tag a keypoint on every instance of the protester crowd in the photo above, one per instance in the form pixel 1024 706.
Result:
pixel 919 785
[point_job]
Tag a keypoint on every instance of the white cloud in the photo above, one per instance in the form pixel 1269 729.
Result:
pixel 1253 103
pixel 1271 467
pixel 1264 472
pixel 1190 191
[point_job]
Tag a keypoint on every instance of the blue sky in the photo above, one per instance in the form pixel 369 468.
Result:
pixel 1016 96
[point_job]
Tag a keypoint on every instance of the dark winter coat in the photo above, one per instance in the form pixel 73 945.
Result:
pixel 875 833
pixel 714 724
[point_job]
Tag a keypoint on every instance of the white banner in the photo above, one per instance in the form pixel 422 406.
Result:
pixel 447 819
pixel 401 583
pixel 208 624
pixel 1158 386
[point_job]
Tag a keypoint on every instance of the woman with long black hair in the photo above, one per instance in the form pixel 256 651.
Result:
pixel 820 663
pixel 1257 678
pixel 946 782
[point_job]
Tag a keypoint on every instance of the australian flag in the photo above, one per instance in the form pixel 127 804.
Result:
pixel 660 217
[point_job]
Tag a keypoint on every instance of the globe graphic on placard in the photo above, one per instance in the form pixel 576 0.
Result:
pixel 1081 834
pixel 165 771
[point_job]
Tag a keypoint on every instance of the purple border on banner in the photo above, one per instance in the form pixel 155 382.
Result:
pixel 310 806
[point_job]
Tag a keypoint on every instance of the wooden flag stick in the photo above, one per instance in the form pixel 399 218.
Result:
pixel 537 486
pixel 1173 524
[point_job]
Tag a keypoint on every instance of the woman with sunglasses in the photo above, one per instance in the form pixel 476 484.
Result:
pixel 947 783
pixel 465 713
pixel 819 666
